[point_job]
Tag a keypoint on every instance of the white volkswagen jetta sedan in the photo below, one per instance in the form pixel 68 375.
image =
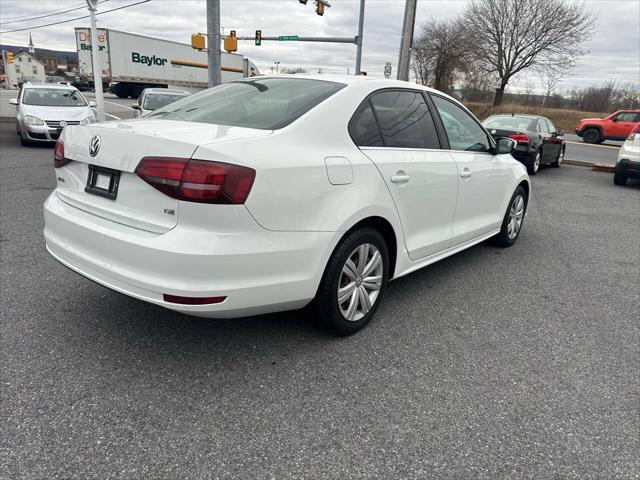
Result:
pixel 269 193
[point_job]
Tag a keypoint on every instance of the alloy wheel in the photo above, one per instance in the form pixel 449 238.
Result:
pixel 360 282
pixel 536 162
pixel 516 215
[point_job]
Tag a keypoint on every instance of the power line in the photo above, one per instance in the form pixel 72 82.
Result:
pixel 73 19
pixel 49 14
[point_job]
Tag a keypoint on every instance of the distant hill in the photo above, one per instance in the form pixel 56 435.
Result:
pixel 62 55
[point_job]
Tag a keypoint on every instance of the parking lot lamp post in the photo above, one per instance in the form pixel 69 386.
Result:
pixel 97 69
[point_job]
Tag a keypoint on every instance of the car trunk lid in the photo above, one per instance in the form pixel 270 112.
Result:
pixel 87 181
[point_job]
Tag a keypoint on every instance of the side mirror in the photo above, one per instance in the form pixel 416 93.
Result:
pixel 135 106
pixel 92 103
pixel 13 101
pixel 505 145
pixel 559 133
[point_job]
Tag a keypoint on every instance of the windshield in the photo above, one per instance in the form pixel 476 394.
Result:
pixel 265 104
pixel 508 123
pixel 53 97
pixel 155 101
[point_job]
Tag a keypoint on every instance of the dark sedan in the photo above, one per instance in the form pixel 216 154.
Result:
pixel 538 139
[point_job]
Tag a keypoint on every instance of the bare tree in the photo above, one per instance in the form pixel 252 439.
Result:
pixel 513 35
pixel 550 79
pixel 295 70
pixel 439 53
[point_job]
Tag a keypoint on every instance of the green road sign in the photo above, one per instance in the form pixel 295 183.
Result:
pixel 283 38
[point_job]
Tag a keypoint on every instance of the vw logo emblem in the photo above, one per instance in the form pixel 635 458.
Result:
pixel 63 123
pixel 94 146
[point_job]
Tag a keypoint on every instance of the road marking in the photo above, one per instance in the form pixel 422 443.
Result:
pixel 112 116
pixel 118 105
pixel 591 144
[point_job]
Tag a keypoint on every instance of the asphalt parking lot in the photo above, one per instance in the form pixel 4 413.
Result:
pixel 492 364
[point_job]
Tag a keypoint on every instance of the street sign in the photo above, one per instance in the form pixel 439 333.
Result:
pixel 284 38
pixel 387 70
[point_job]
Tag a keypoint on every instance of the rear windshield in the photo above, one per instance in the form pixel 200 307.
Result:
pixel 265 104
pixel 53 97
pixel 508 123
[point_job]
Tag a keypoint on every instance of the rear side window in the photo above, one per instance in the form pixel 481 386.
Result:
pixel 404 119
pixel 364 129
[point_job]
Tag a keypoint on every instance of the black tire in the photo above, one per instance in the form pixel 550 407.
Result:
pixel 24 142
pixel 17 129
pixel 327 309
pixel 558 161
pixel 533 165
pixel 619 179
pixel 503 239
pixel 591 135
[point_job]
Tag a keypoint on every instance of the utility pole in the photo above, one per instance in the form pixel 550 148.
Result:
pixel 359 38
pixel 97 69
pixel 213 43
pixel 406 40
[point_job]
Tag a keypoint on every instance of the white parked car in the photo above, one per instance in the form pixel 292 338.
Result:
pixel 44 109
pixel 628 164
pixel 154 98
pixel 269 193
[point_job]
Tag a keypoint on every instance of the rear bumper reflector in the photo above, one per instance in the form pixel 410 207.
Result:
pixel 192 300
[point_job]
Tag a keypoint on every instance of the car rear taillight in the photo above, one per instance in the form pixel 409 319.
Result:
pixel 197 180
pixel 58 155
pixel 633 133
pixel 521 138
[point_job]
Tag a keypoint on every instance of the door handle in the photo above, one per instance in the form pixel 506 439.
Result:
pixel 466 173
pixel 400 178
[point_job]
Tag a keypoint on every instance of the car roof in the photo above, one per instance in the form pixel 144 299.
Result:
pixel 49 85
pixel 519 115
pixel 349 80
pixel 164 90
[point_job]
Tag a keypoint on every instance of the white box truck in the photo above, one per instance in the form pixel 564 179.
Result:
pixel 131 62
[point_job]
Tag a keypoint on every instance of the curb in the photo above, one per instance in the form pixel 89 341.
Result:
pixel 7 119
pixel 579 163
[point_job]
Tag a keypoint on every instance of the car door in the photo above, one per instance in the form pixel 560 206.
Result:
pixel 484 178
pixel 622 124
pixel 549 147
pixel 396 130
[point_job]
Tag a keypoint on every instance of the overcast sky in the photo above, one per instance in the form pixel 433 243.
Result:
pixel 614 52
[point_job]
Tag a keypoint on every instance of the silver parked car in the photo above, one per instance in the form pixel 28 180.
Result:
pixel 44 109
pixel 154 98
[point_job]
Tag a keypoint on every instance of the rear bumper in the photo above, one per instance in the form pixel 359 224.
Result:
pixel 259 271
pixel 628 168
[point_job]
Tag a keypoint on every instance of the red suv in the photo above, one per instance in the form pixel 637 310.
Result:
pixel 616 126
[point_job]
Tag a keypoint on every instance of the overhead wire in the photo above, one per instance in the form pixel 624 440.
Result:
pixel 49 14
pixel 73 19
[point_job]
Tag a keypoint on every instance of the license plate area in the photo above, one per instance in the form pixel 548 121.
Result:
pixel 103 181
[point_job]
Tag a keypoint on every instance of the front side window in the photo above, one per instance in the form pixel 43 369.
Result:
pixel 463 131
pixel 404 119
pixel 627 117
pixel 542 126
pixel 551 126
pixel 261 103
pixel 53 97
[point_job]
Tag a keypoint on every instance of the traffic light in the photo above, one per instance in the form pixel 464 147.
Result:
pixel 197 41
pixel 320 8
pixel 231 42
pixel 9 57
pixel 258 37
